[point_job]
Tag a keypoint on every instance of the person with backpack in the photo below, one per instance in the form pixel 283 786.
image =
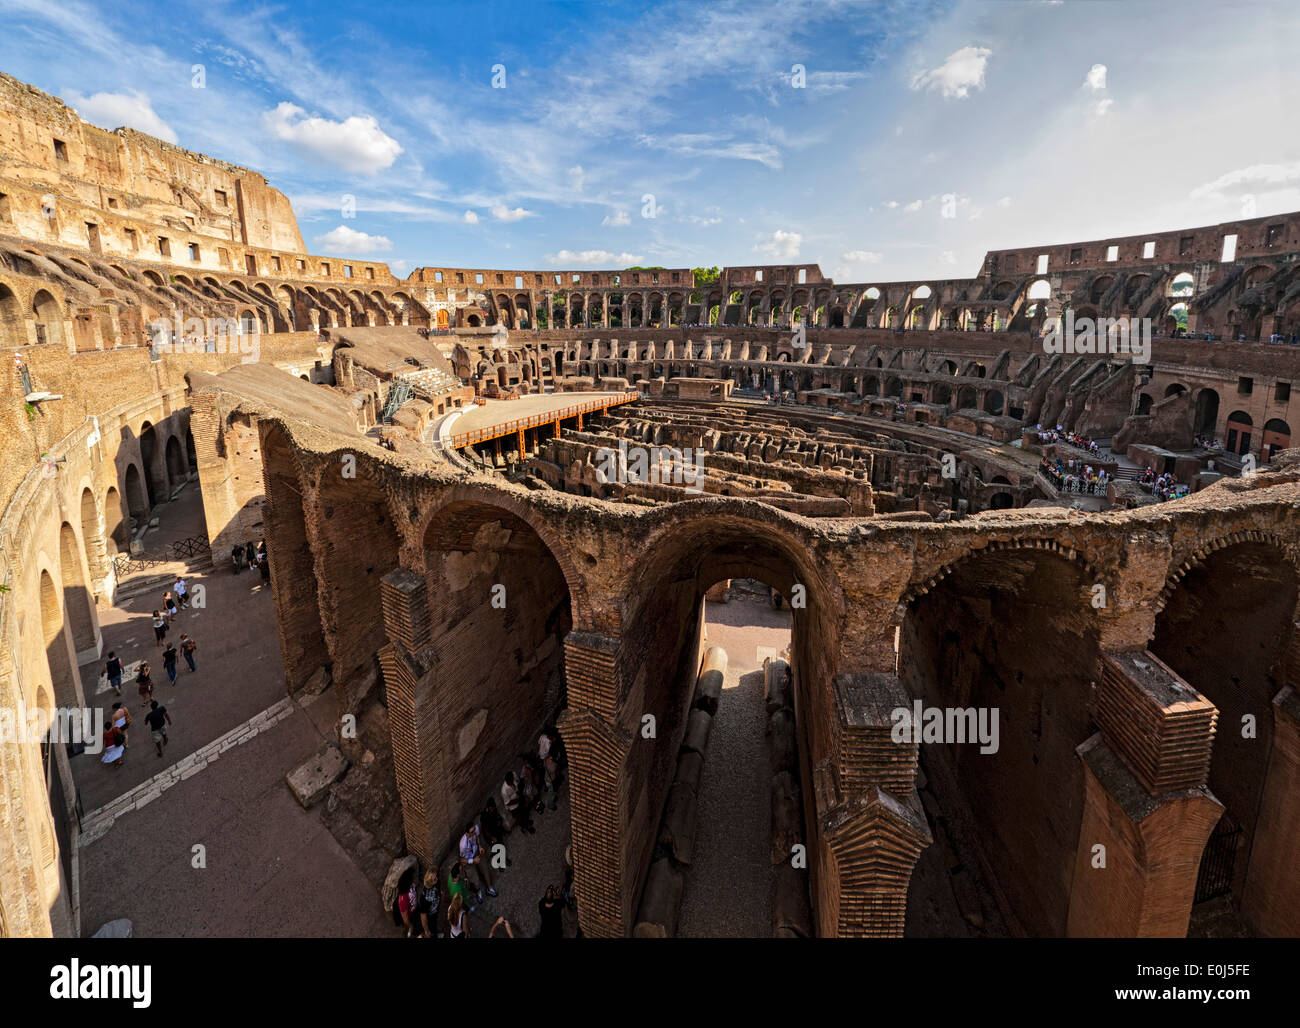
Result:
pixel 144 683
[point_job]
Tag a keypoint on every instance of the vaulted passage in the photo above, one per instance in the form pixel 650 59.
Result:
pixel 1225 630
pixel 1010 633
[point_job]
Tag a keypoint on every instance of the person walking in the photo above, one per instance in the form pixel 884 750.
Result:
pixel 169 662
pixel 182 592
pixel 169 607
pixel 159 628
pixel 237 557
pixel 114 671
pixel 515 810
pixel 250 555
pixel 144 683
pixel 188 646
pixel 114 748
pixel 264 566
pixel 120 720
pixel 158 719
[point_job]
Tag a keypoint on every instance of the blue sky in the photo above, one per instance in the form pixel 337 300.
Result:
pixel 1039 121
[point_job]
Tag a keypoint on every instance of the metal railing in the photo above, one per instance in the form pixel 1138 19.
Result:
pixel 478 435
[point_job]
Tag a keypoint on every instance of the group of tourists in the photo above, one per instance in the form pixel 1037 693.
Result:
pixel 175 600
pixel 1074 476
pixel 115 735
pixel 252 557
pixel 1162 487
pixel 1206 443
pixel 1060 435
pixel 533 789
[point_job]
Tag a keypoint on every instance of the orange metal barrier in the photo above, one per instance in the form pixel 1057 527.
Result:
pixel 547 418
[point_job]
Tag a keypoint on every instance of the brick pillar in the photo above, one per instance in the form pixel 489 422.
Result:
pixel 869 814
pixel 412 714
pixel 1151 846
pixel 1271 896
pixel 598 751
pixel 1146 802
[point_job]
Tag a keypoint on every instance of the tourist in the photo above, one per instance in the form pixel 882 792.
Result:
pixel 569 892
pixel 428 905
pixel 492 827
pixel 114 671
pixel 517 812
pixel 264 566
pixel 529 789
pixel 159 628
pixel 182 592
pixel 114 748
pixel 169 607
pixel 551 770
pixel 458 919
pixel 120 720
pixel 144 683
pixel 169 662
pixel 188 647
pixel 250 556
pixel 551 910
pixel 407 900
pixel 158 719
pixel 501 922
pixel 237 557
pixel 471 857
pixel 456 884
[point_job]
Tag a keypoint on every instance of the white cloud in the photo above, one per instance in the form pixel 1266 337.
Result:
pixel 356 144
pixel 912 207
pixel 616 220
pixel 1005 202
pixel 114 110
pixel 1102 106
pixel 399 267
pixel 603 258
pixel 958 75
pixel 577 178
pixel 891 204
pixel 347 241
pixel 1096 77
pixel 862 257
pixel 1252 179
pixel 690 144
pixel 503 213
pixel 471 218
pixel 832 81
pixel 782 246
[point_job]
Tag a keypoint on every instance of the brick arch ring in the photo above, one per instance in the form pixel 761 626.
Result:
pixel 484 496
pixel 919 589
pixel 1203 551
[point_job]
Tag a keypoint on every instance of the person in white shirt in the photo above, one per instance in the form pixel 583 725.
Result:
pixel 471 858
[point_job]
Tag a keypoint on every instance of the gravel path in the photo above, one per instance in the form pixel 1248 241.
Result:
pixel 727 888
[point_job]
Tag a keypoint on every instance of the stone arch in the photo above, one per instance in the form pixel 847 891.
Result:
pixel 58 645
pixel 137 498
pixel 1225 627
pixel 117 532
pixel 177 471
pixel 920 587
pixel 13 325
pixel 1025 798
pixel 48 314
pixel 154 473
pixel 92 537
pixel 78 601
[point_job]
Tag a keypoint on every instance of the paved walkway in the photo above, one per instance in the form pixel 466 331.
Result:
pixel 208 840
pixel 727 891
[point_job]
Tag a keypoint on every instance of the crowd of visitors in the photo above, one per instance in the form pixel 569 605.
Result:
pixel 1060 435
pixel 254 558
pixel 528 791
pixel 1073 476
pixel 1162 487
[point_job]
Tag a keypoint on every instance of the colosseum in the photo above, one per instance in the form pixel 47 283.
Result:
pixel 498 502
